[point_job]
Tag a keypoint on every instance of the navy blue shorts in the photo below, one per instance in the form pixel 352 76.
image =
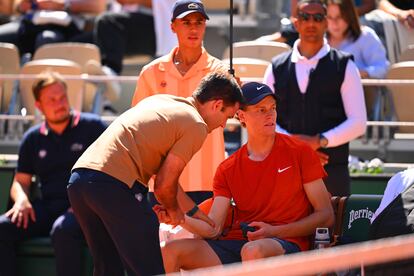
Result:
pixel 229 251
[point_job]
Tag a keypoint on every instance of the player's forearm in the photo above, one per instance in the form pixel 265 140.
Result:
pixel 19 192
pixel 200 228
pixel 184 201
pixel 166 194
pixel 305 226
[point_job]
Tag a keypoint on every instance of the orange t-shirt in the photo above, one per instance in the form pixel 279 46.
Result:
pixel 271 190
pixel 162 77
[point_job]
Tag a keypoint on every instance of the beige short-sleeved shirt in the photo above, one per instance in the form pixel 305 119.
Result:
pixel 136 143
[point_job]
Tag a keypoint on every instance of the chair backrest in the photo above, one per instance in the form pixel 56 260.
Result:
pixel 9 64
pixel 62 66
pixel 356 215
pixel 264 50
pixel 80 53
pixel 407 54
pixel 335 206
pixel 397 38
pixel 249 67
pixel 403 96
pixel 6 180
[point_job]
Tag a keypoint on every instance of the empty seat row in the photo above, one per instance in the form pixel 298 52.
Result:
pixel 65 58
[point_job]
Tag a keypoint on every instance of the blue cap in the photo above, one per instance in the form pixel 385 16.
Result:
pixel 254 92
pixel 185 7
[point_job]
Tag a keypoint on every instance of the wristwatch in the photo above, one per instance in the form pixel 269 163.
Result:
pixel 192 211
pixel 323 142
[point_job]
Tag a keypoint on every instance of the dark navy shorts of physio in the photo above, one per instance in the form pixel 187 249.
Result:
pixel 229 251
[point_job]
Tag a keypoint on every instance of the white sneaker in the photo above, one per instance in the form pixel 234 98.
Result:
pixel 113 88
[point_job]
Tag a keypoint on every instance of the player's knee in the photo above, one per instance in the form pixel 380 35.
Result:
pixel 170 252
pixel 252 251
pixel 172 256
pixel 257 250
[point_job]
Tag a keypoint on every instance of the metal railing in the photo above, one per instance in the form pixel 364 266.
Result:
pixel 381 131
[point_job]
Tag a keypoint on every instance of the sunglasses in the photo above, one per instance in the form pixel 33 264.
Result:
pixel 317 17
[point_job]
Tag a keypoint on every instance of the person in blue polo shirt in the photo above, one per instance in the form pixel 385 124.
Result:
pixel 48 151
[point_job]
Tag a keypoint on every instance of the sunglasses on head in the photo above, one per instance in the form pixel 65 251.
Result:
pixel 317 17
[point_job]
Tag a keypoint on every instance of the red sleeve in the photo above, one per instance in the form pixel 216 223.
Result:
pixel 220 186
pixel 310 165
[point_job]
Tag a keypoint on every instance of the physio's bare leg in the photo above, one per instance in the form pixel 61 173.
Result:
pixel 262 248
pixel 188 254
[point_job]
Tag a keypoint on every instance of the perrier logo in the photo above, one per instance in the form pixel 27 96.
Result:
pixel 359 214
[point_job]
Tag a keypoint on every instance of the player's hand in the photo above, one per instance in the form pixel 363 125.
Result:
pixel 162 214
pixel 312 141
pixel 406 17
pixel 169 216
pixel 21 212
pixel 409 21
pixel 176 216
pixel 364 74
pixel 323 157
pixel 263 230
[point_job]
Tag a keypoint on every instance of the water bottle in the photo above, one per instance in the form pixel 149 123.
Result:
pixel 321 238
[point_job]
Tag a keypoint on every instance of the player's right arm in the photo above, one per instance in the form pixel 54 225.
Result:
pixel 217 214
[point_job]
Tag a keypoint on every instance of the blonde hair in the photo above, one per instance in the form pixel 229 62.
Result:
pixel 44 79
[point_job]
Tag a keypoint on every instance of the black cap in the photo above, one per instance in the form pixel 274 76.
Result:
pixel 185 7
pixel 254 92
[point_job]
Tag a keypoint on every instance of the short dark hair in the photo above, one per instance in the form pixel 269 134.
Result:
pixel 219 86
pixel 44 79
pixel 320 2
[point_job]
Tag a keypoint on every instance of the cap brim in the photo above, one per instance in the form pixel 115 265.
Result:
pixel 260 97
pixel 184 14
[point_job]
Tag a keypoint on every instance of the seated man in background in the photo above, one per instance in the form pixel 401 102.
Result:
pixel 48 151
pixel 276 184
